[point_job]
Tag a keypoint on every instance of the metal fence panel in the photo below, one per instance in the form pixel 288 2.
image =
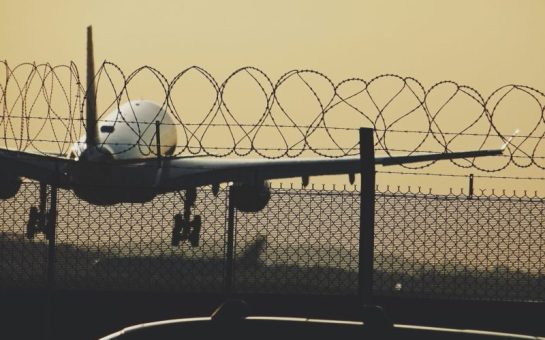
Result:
pixel 23 262
pixel 304 242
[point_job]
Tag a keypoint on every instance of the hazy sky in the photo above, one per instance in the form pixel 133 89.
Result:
pixel 481 43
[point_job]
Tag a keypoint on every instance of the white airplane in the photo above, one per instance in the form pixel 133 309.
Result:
pixel 106 166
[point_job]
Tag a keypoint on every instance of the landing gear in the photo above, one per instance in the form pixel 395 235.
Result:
pixel 39 220
pixel 184 229
pixel 33 226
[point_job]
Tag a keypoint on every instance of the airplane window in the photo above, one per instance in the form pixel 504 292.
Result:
pixel 107 128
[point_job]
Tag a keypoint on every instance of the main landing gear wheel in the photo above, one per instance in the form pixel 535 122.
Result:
pixel 37 216
pixel 32 224
pixel 37 223
pixel 195 233
pixel 184 229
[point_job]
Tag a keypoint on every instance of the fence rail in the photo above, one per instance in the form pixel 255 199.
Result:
pixel 489 248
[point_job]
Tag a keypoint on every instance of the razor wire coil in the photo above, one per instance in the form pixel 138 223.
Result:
pixel 43 105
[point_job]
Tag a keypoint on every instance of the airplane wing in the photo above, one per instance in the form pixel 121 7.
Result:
pixel 181 173
pixel 42 168
pixel 193 172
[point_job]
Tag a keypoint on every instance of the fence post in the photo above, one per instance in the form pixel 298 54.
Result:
pixel 158 141
pixel 51 234
pixel 367 215
pixel 43 205
pixel 230 254
pixel 470 196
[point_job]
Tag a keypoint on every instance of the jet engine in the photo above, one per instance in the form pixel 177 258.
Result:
pixel 9 186
pixel 251 198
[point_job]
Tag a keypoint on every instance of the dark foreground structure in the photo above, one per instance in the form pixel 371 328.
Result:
pixel 234 320
pixel 91 315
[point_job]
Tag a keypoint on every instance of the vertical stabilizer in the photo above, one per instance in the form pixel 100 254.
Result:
pixel 91 103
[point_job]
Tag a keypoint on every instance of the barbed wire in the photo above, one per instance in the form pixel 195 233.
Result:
pixel 302 113
pixel 488 176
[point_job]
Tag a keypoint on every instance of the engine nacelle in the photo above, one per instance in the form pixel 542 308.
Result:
pixel 9 186
pixel 251 198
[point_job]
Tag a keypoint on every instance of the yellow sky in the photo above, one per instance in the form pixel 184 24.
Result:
pixel 481 43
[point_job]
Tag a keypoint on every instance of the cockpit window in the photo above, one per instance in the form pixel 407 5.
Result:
pixel 107 128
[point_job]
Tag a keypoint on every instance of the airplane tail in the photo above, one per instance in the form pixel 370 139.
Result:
pixel 250 257
pixel 90 103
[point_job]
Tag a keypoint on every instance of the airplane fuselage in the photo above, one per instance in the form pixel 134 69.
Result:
pixel 129 132
pixel 102 174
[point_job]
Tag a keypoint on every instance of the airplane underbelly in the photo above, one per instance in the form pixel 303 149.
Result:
pixel 106 184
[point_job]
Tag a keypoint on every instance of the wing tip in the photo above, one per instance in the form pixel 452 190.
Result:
pixel 504 145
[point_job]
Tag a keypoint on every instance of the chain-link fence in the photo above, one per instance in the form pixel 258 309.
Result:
pixel 304 242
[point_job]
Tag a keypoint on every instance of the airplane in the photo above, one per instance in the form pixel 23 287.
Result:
pixel 106 166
